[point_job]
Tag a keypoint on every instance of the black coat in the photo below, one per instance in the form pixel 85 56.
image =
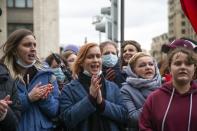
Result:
pixel 8 87
pixel 119 76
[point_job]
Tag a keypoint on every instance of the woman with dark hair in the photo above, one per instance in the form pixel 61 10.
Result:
pixel 37 86
pixel 172 107
pixel 57 67
pixel 69 58
pixel 128 49
pixel 91 103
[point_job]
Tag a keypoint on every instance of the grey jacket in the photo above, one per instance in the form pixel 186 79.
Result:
pixel 135 91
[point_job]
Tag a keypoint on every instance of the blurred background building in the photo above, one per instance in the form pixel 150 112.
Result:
pixel 157 42
pixel 178 26
pixel 40 16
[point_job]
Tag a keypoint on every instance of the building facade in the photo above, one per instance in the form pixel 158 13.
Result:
pixel 40 16
pixel 178 24
pixel 157 42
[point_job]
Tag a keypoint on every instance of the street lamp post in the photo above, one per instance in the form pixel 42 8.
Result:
pixel 0 15
pixel 122 22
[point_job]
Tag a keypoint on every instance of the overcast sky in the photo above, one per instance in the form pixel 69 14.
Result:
pixel 144 19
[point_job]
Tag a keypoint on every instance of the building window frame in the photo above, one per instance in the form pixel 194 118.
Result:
pixel 183 31
pixel 13 4
pixel 183 23
pixel 14 26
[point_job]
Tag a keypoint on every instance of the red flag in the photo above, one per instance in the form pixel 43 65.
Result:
pixel 190 9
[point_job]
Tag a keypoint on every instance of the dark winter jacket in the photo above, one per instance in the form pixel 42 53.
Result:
pixel 8 87
pixel 176 111
pixel 76 107
pixel 119 78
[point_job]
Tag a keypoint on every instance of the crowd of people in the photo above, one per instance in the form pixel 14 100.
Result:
pixel 93 89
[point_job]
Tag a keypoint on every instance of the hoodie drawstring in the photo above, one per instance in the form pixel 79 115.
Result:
pixel 190 111
pixel 164 119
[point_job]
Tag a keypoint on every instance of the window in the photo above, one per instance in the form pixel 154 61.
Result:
pixel 183 31
pixel 183 23
pixel 172 39
pixel 171 31
pixel 29 3
pixel 14 26
pixel 10 3
pixel 19 3
pixel 182 15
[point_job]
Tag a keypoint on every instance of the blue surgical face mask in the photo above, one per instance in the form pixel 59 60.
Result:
pixel 59 74
pixel 22 64
pixel 89 74
pixel 109 60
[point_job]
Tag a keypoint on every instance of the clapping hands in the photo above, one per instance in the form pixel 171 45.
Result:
pixel 40 92
pixel 95 88
pixel 4 104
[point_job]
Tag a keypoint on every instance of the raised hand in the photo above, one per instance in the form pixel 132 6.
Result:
pixel 48 89
pixel 4 104
pixel 110 74
pixel 39 92
pixel 95 85
pixel 99 97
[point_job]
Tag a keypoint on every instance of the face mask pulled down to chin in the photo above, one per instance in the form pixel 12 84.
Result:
pixel 89 74
pixel 22 64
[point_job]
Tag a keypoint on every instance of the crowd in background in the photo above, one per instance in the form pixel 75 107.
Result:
pixel 97 87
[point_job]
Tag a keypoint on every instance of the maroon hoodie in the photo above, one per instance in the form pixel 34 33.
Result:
pixel 181 115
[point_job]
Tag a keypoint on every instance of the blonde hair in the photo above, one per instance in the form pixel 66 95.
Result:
pixel 135 57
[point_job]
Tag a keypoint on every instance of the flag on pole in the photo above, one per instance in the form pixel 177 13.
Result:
pixel 190 9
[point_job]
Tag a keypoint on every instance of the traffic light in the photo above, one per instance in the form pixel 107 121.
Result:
pixel 106 11
pixel 104 25
pixel 100 26
pixel 109 30
pixel 109 23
